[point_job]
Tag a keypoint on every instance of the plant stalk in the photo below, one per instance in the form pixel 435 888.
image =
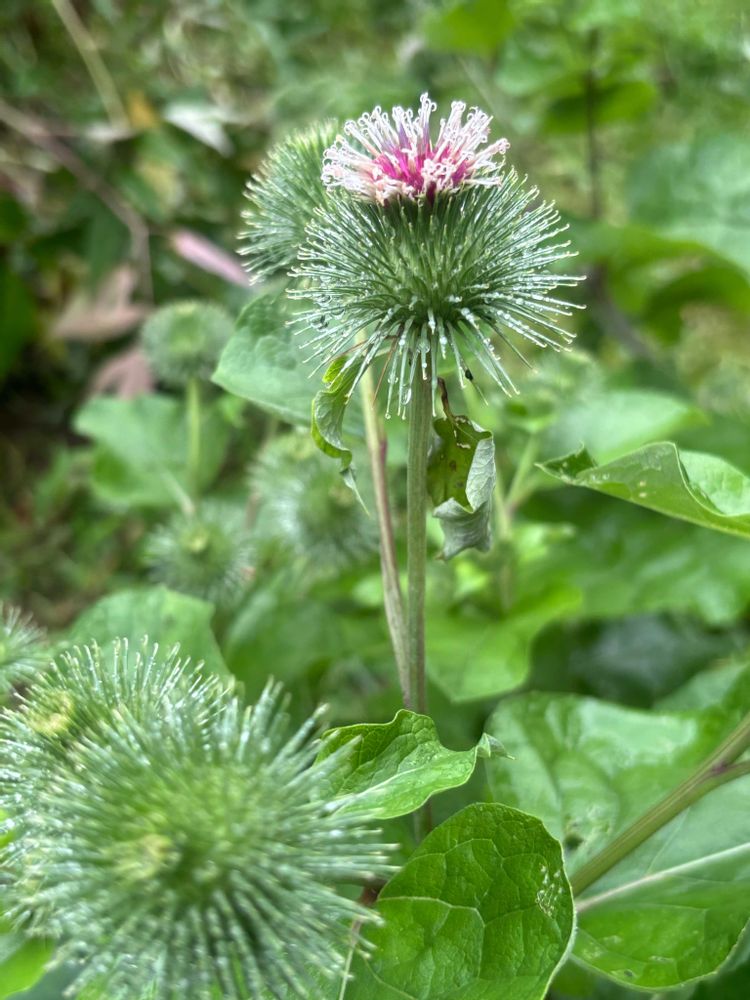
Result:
pixel 193 406
pixel 717 769
pixel 392 597
pixel 420 435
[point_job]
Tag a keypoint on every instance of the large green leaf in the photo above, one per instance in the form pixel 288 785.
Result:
pixel 473 657
pixel 396 766
pixel 699 191
pixel 264 363
pixel 687 485
pixel 673 910
pixel 22 961
pixel 481 911
pixel 142 448
pixel 163 615
pixel 460 479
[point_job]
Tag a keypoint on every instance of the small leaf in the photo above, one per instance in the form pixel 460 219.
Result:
pixel 482 911
pixel 328 412
pixel 461 478
pixel 163 615
pixel 673 910
pixel 687 485
pixel 397 766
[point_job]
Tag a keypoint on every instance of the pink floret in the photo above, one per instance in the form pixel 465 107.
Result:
pixel 398 158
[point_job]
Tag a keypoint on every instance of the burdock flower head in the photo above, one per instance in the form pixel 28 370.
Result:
pixel 180 845
pixel 427 248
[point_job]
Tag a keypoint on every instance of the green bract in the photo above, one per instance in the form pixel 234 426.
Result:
pixel 205 552
pixel 184 340
pixel 182 846
pixel 420 281
pixel 283 198
pixel 20 647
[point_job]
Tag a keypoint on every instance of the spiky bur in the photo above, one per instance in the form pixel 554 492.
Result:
pixel 185 853
pixel 76 699
pixel 430 252
pixel 282 199
pixel 21 648
pixel 206 552
pixel 184 340
pixel 306 511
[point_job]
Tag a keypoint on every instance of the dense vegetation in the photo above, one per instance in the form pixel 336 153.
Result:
pixel 564 812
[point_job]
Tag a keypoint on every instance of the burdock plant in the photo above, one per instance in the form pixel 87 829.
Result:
pixel 178 844
pixel 423 254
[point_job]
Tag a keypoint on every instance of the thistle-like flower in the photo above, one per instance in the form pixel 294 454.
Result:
pixel 306 510
pixel 282 200
pixel 185 853
pixel 21 648
pixel 206 552
pixel 184 340
pixel 400 159
pixel 426 250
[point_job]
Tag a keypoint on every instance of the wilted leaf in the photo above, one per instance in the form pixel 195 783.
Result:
pixel 461 478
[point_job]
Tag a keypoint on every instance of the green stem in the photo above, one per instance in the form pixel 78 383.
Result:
pixel 392 597
pixel 717 769
pixel 420 434
pixel 193 405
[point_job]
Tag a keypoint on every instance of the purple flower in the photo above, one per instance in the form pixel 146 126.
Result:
pixel 398 158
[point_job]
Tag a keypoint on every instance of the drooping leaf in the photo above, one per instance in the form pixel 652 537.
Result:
pixel 397 766
pixel 142 446
pixel 163 615
pixel 263 363
pixel 460 479
pixel 687 485
pixel 673 910
pixel 472 657
pixel 328 411
pixel 481 911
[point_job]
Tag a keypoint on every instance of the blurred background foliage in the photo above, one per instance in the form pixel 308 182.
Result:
pixel 127 132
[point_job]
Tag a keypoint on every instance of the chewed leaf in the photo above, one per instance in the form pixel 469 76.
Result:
pixel 461 479
pixel 396 766
pixel 328 411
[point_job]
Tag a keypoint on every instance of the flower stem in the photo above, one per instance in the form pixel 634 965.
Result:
pixel 392 597
pixel 193 406
pixel 420 434
pixel 717 769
